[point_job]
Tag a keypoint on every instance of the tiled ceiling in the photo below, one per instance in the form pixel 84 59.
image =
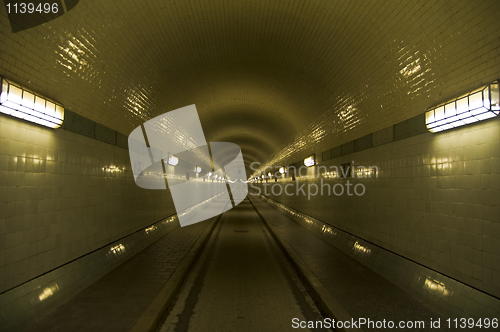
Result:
pixel 280 78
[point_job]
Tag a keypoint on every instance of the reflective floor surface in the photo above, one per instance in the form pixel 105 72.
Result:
pixel 242 282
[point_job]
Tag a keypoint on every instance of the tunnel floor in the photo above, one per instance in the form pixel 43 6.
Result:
pixel 242 282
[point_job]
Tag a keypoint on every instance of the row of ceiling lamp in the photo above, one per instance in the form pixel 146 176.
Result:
pixel 173 161
pixel 477 105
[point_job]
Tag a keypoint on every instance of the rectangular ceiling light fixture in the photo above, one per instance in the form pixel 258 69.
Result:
pixel 25 104
pixel 480 104
pixel 310 161
pixel 172 160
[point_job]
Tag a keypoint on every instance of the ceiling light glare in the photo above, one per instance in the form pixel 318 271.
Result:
pixel 309 161
pixel 24 104
pixel 480 104
pixel 197 169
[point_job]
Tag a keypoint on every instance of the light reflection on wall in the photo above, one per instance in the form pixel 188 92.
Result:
pixel 366 172
pixel 349 117
pixel 48 292
pixel 317 134
pixel 137 101
pixel 361 249
pixel 169 220
pixel 413 63
pixel 328 230
pixel 113 169
pixel 287 210
pixel 332 174
pixel 118 249
pixel 434 286
pixel 441 164
pixel 79 56
pixel 411 68
pixel 344 114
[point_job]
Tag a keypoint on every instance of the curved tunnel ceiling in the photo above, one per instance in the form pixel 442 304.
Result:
pixel 279 78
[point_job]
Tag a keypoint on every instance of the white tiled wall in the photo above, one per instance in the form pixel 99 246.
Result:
pixel 57 202
pixel 25 304
pixel 281 77
pixel 436 201
pixel 449 297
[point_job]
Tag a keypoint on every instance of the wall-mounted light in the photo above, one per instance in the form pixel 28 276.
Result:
pixel 209 173
pixel 197 169
pixel 282 170
pixel 172 160
pixel 25 104
pixel 310 161
pixel 480 104
pixel 269 174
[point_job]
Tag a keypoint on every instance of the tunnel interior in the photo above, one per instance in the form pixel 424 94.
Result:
pixel 323 109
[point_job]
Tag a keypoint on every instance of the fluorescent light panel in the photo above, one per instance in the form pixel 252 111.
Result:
pixel 172 160
pixel 309 161
pixel 480 104
pixel 24 104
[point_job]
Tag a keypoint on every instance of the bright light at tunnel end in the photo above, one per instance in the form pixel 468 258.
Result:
pixel 310 181
pixel 176 138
